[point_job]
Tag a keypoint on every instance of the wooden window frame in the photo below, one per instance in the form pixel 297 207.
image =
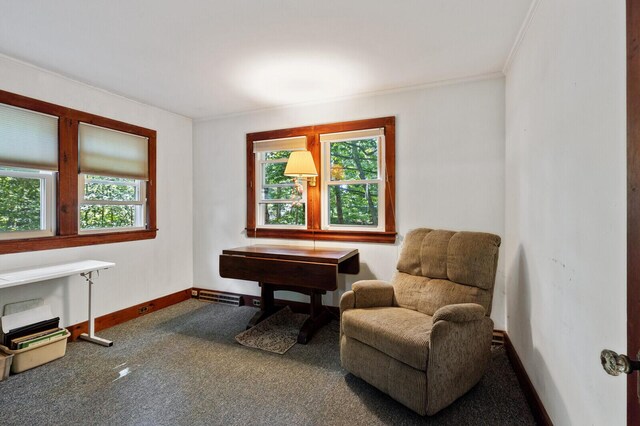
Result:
pixel 67 232
pixel 314 209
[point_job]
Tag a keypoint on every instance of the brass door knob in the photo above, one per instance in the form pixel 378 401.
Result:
pixel 615 364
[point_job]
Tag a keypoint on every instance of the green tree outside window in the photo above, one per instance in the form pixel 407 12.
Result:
pixel 20 204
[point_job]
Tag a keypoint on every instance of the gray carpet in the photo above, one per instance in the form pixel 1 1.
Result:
pixel 182 365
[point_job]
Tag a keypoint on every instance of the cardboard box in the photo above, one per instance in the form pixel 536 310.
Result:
pixel 25 359
pixel 5 365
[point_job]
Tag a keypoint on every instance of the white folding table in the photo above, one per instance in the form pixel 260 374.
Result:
pixel 85 268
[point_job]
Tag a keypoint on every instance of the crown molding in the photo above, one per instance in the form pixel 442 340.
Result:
pixel 85 85
pixel 524 29
pixel 433 84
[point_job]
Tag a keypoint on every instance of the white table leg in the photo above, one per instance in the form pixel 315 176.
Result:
pixel 91 337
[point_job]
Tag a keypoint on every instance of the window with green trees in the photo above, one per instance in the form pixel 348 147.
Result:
pixel 355 195
pixel 353 184
pixel 26 203
pixel 20 206
pixel 71 178
pixel 111 202
pixel 28 161
pixel 282 200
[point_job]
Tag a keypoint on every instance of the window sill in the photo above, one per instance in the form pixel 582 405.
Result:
pixel 102 231
pixel 323 235
pixel 49 243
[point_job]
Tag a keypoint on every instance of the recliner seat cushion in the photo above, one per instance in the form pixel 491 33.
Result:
pixel 402 334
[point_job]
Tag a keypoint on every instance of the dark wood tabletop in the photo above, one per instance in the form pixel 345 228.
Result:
pixel 304 254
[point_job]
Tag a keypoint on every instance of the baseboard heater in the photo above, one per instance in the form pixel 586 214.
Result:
pixel 223 298
pixel 498 338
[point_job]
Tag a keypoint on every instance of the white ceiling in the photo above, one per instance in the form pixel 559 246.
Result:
pixel 205 58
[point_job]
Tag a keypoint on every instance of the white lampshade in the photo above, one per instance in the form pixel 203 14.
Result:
pixel 301 165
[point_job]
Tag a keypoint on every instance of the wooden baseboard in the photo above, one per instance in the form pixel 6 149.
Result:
pixel 535 403
pixel 124 315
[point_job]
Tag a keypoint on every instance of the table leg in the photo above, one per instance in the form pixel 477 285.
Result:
pixel 267 306
pixel 91 337
pixel 318 316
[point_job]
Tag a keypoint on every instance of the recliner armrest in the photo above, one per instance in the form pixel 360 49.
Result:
pixel 347 301
pixel 367 294
pixel 459 312
pixel 459 352
pixel 372 294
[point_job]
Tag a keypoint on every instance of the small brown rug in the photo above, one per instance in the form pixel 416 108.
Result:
pixel 278 333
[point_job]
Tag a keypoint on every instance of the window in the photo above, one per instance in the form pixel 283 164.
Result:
pixel 110 203
pixel 281 200
pixel 28 162
pixel 113 171
pixel 352 182
pixel 27 203
pixel 70 178
pixel 355 197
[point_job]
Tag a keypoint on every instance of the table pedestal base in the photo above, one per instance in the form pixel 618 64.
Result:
pixel 318 315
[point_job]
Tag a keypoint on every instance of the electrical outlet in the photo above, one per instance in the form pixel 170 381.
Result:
pixel 256 302
pixel 143 310
pixel 194 293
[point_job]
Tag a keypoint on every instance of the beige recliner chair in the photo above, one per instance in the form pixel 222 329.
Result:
pixel 424 339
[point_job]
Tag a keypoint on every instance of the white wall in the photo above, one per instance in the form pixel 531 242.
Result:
pixel 145 269
pixel 449 167
pixel 566 207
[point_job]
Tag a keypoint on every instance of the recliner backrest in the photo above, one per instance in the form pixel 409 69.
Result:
pixel 439 267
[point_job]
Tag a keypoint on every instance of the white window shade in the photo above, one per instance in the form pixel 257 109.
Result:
pixel 357 134
pixel 106 152
pixel 28 139
pixel 283 144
